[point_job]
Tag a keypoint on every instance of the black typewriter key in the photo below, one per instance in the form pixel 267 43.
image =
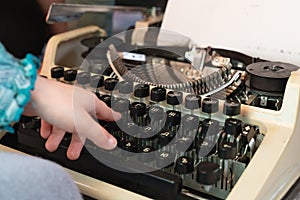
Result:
pixel 190 122
pixel 157 118
pixel 210 105
pixel 138 109
pixel 184 144
pixel 125 87
pixel 146 154
pixel 83 78
pixel 130 129
pixel 70 75
pixel 156 113
pixel 106 99
pixel 158 94
pixel 208 173
pixel 227 150
pixel 110 83
pixel 205 148
pixel 128 146
pixel 120 105
pixel 57 72
pixel 97 81
pixel 233 126
pixel 165 137
pixel 165 159
pixel 192 101
pixel 174 98
pixel 184 165
pixel 173 118
pixel 232 108
pixel 209 127
pixel 141 90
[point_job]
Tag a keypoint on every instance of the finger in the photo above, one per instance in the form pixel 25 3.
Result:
pixel 54 139
pixel 46 129
pixel 75 147
pixel 104 112
pixel 89 128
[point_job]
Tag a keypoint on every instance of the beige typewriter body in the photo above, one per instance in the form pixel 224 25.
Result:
pixel 276 164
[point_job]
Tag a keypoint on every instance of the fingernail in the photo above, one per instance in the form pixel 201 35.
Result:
pixel 117 116
pixel 112 142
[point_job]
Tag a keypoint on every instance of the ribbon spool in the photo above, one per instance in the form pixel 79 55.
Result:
pixel 270 76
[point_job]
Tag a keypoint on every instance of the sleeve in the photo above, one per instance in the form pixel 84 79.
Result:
pixel 17 78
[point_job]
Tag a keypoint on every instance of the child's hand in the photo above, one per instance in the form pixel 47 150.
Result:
pixel 67 108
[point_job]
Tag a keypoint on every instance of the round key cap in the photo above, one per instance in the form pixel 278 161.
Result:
pixel 141 90
pixel 233 126
pixel 174 98
pixel 190 122
pixel 138 109
pixel 120 105
pixel 97 81
pixel 192 101
pixel 125 87
pixel 208 173
pixel 70 75
pixel 231 108
pixel 158 94
pixel 210 105
pixel 173 117
pixel 227 150
pixel 164 159
pixel 184 165
pixel 83 78
pixel 110 83
pixel 57 72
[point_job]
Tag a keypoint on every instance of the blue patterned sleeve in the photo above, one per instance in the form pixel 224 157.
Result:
pixel 17 78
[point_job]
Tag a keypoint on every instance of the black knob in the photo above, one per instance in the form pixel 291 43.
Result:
pixel 227 150
pixel 231 108
pixel 120 105
pixel 184 165
pixel 138 109
pixel 70 75
pixel 83 78
pixel 210 105
pixel 165 159
pixel 165 137
pixel 190 122
pixel 158 94
pixel 233 126
pixel 110 83
pixel 125 87
pixel 173 118
pixel 156 113
pixel 208 173
pixel 210 127
pixel 97 81
pixel 141 90
pixel 57 72
pixel 106 99
pixel 192 101
pixel 174 98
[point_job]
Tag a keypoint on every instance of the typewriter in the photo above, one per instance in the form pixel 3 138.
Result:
pixel 198 121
